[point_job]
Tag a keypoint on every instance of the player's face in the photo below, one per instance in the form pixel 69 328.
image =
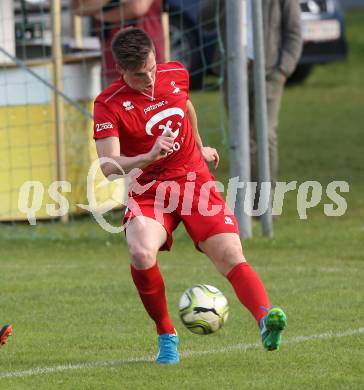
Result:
pixel 143 78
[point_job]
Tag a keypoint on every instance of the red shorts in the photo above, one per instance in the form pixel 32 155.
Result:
pixel 195 202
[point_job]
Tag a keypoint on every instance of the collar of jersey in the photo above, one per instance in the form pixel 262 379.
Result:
pixel 142 92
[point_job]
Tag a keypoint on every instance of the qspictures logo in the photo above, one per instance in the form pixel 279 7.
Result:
pixel 169 194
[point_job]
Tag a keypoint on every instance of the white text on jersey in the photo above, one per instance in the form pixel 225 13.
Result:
pixel 155 106
pixel 103 126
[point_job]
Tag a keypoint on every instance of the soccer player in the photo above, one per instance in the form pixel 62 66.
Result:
pixel 5 332
pixel 146 120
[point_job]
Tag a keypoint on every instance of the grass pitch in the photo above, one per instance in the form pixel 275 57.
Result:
pixel 79 323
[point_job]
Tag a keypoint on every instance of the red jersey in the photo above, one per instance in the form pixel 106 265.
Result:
pixel 138 118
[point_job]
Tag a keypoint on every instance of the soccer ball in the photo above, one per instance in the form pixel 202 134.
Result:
pixel 203 309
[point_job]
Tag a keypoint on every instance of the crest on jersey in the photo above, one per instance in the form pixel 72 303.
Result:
pixel 175 88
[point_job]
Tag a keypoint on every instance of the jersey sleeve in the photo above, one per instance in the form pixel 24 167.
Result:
pixel 186 79
pixel 105 123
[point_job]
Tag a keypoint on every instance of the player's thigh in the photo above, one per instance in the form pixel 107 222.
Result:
pixel 209 215
pixel 224 250
pixel 144 236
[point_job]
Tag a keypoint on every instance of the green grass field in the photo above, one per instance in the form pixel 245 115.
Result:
pixel 79 323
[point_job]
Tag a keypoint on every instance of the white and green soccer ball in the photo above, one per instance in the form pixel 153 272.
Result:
pixel 203 309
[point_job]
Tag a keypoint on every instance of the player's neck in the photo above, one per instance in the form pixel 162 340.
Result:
pixel 148 91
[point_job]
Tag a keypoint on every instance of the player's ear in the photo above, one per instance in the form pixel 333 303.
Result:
pixel 119 69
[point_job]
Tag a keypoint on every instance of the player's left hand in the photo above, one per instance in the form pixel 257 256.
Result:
pixel 210 154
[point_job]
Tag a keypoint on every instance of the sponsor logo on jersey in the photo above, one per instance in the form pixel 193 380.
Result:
pixel 128 105
pixel 175 88
pixel 103 126
pixel 155 106
pixel 166 123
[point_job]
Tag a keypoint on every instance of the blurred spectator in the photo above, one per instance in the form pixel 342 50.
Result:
pixel 112 15
pixel 283 46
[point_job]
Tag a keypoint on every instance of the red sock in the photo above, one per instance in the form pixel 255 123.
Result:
pixel 150 286
pixel 250 290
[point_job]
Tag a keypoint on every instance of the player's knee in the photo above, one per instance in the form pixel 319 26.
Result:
pixel 229 257
pixel 141 257
pixel 232 253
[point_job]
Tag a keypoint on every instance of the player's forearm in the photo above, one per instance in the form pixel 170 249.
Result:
pixel 192 116
pixel 121 165
pixel 198 139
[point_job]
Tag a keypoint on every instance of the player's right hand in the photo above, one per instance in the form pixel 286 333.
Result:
pixel 162 146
